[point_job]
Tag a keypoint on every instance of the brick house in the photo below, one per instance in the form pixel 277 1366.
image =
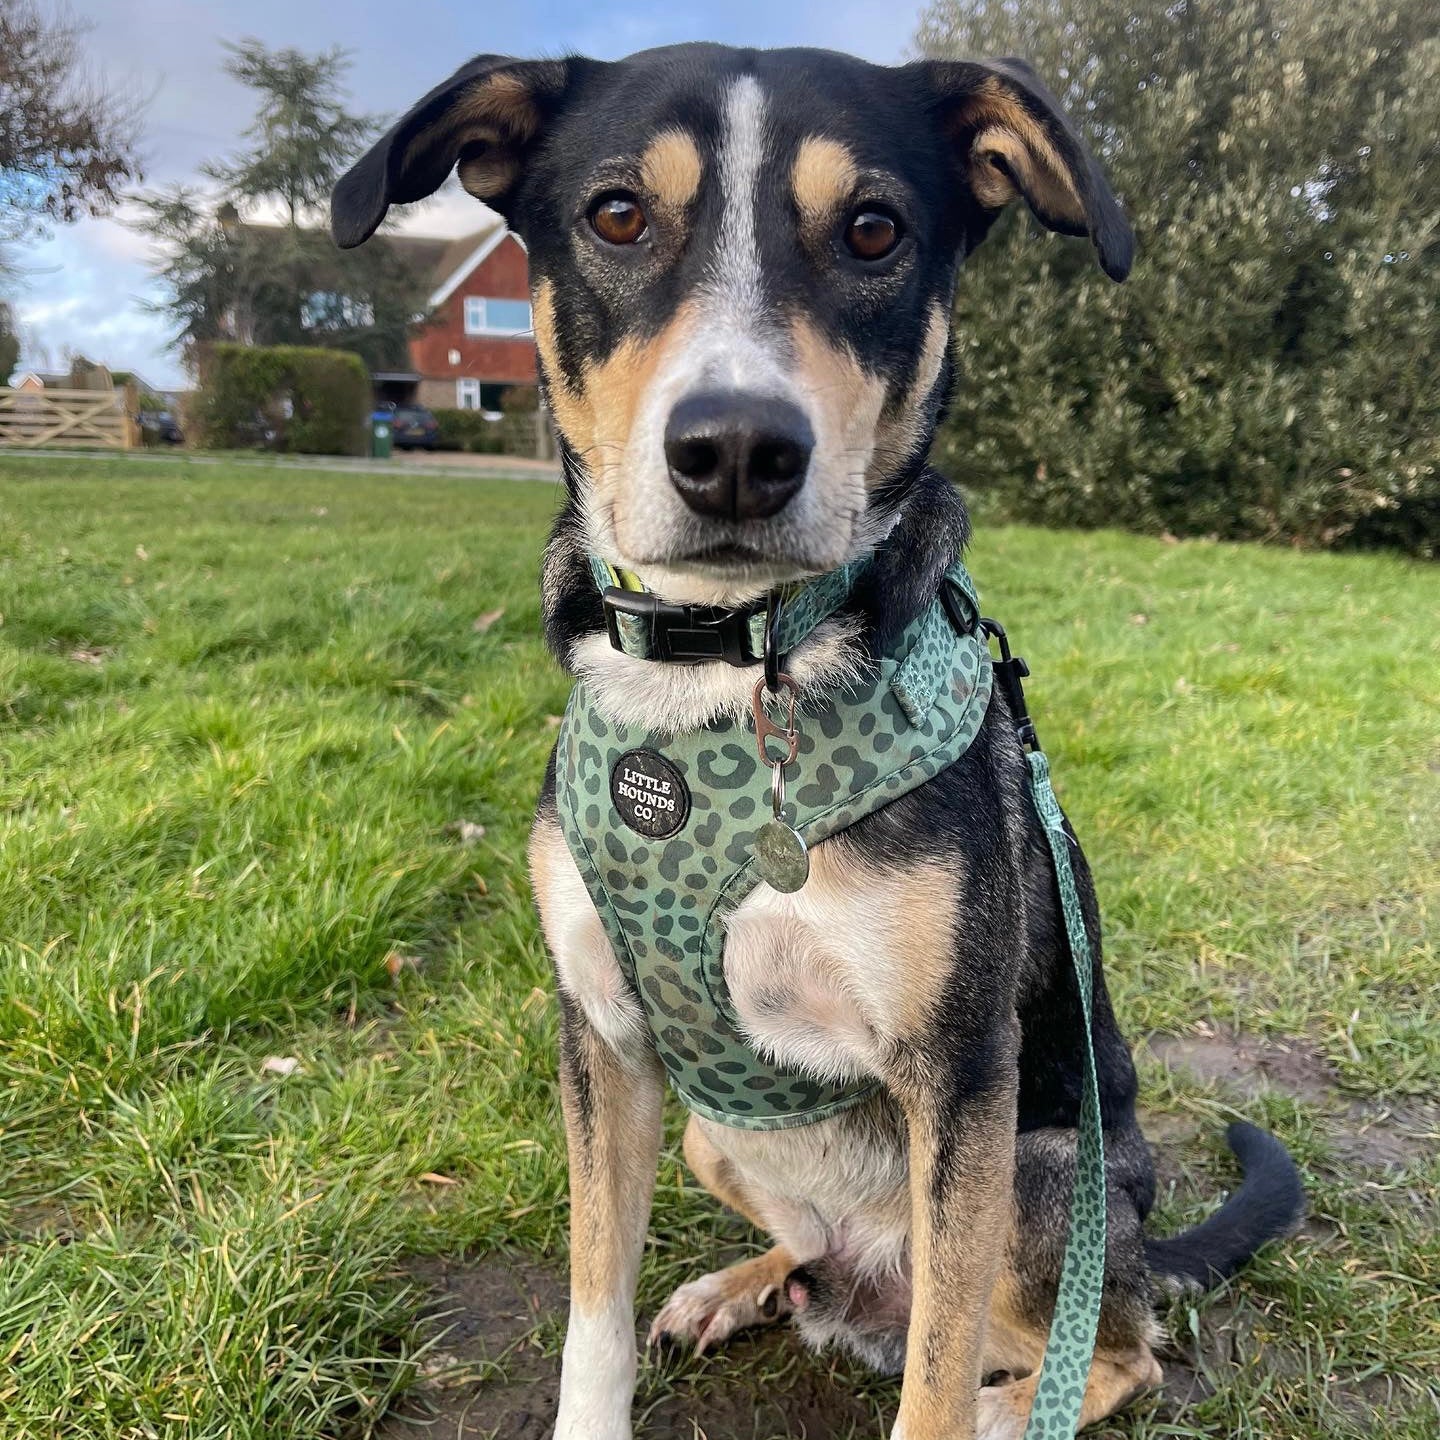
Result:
pixel 478 340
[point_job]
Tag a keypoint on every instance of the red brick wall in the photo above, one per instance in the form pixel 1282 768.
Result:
pixel 503 274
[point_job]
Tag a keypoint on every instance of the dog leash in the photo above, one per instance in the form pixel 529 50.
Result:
pixel 1070 1349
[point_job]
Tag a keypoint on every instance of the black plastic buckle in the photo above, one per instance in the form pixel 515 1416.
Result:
pixel 957 607
pixel 681 633
pixel 1010 670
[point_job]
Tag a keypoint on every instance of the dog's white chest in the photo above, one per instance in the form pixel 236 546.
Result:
pixel 828 978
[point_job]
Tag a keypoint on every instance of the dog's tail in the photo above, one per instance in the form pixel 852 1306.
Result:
pixel 1269 1203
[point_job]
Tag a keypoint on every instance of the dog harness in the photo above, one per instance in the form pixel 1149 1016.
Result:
pixel 662 828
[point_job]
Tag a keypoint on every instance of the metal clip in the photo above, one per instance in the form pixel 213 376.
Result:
pixel 766 729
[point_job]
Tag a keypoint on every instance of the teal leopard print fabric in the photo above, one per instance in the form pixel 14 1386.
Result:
pixel 664 902
pixel 1060 1391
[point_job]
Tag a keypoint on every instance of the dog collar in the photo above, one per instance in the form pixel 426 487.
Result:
pixel 645 626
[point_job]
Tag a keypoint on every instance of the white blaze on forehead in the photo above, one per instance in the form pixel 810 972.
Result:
pixel 735 269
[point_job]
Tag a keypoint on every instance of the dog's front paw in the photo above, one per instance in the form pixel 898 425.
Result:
pixel 710 1310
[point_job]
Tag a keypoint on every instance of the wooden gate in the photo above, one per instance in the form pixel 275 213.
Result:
pixel 59 419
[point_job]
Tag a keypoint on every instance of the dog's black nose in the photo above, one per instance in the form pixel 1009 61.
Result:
pixel 737 456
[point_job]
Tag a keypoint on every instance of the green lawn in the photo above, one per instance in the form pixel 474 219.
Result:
pixel 241 717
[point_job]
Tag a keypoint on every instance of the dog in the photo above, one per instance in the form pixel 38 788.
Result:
pixel 743 265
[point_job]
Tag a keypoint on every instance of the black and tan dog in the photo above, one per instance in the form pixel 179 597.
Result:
pixel 743 267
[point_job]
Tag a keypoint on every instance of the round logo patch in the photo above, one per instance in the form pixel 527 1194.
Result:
pixel 650 794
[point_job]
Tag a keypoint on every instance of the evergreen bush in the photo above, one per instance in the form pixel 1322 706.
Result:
pixel 1270 369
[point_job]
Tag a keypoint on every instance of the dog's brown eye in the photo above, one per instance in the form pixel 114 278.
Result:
pixel 871 234
pixel 619 220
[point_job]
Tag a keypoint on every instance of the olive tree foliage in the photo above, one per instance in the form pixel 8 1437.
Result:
pixel 1270 368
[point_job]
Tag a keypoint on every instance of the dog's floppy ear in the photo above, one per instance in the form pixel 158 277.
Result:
pixel 483 117
pixel 1012 138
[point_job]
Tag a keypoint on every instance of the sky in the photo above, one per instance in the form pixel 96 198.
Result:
pixel 86 287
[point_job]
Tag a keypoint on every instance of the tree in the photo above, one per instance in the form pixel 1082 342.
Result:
pixel 1268 371
pixel 302 137
pixel 227 279
pixel 67 145
pixel 9 344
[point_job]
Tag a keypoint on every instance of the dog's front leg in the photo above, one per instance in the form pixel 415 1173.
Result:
pixel 962 1163
pixel 612 1100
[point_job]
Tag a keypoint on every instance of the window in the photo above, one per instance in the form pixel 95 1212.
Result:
pixel 467 394
pixel 484 316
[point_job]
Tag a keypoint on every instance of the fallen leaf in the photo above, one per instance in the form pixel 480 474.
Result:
pixel 141 553
pixel 552 722
pixel 430 1177
pixel 397 964
pixel 84 656
pixel 467 831
pixel 485 621
pixel 1139 618
pixel 281 1065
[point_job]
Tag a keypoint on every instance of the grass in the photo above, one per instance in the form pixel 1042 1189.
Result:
pixel 241 716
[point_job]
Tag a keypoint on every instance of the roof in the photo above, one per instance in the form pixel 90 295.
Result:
pixel 462 258
pixel 445 262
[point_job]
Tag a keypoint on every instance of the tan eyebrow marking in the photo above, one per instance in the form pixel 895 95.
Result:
pixel 823 178
pixel 670 168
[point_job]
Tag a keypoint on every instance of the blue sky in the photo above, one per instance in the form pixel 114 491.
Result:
pixel 85 288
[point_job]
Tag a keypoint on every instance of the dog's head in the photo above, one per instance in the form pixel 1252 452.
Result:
pixel 743 264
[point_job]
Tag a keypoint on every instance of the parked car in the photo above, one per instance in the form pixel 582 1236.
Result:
pixel 159 427
pixel 415 428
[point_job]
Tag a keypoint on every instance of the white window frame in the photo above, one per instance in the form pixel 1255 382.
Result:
pixel 477 321
pixel 467 394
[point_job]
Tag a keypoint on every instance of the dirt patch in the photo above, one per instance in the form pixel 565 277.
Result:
pixel 1368 1133
pixel 488 1374
pixel 1248 1066
pixel 495 1371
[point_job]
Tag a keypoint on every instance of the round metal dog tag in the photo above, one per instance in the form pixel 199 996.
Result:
pixel 650 794
pixel 781 859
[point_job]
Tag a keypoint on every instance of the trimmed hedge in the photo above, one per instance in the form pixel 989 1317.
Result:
pixel 293 398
